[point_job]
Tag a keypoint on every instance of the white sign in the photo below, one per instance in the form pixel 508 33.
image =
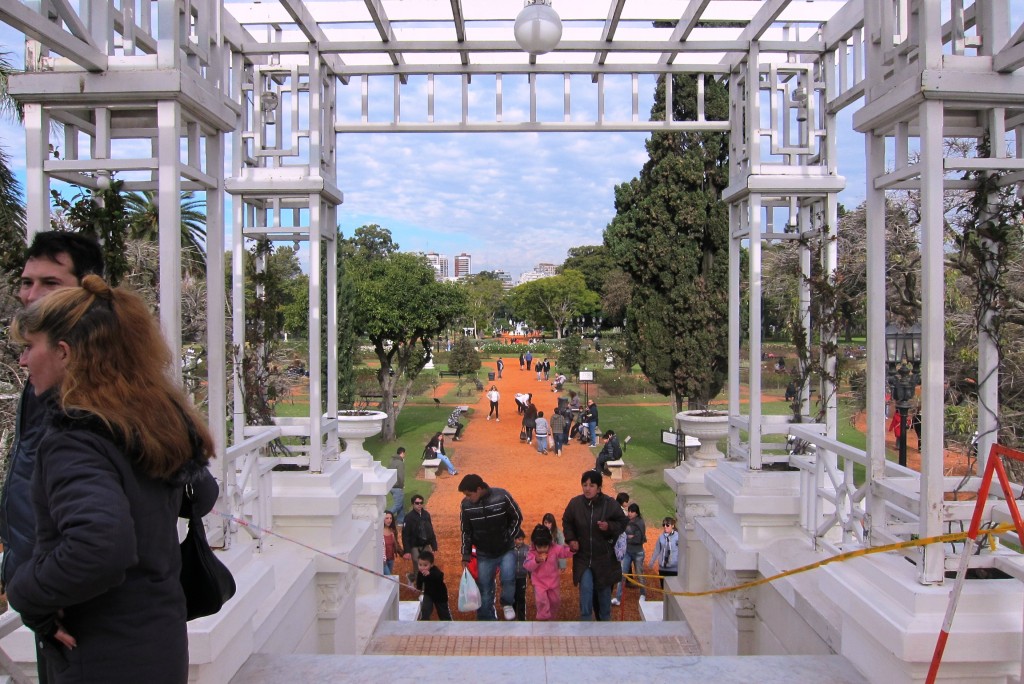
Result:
pixel 670 439
pixel 586 376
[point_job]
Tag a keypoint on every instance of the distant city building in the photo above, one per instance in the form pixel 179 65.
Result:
pixel 463 265
pixel 505 278
pixel 531 276
pixel 440 264
pixel 547 269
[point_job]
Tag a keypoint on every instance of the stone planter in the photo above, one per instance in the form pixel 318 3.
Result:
pixel 356 426
pixel 708 427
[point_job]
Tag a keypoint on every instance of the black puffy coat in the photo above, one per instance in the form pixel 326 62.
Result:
pixel 597 547
pixel 107 555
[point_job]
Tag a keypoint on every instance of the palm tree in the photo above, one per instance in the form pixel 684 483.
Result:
pixel 12 205
pixel 144 219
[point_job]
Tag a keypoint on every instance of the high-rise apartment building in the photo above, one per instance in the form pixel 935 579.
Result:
pixel 440 264
pixel 463 265
pixel 547 269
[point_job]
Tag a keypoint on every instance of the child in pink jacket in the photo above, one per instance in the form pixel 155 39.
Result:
pixel 542 564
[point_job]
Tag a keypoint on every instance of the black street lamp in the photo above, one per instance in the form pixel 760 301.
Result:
pixel 903 347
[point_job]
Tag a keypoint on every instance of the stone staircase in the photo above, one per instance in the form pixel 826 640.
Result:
pixel 547 653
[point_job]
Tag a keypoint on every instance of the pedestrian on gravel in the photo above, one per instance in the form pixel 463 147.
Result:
pixel 430 580
pixel 544 561
pixel 522 361
pixel 549 522
pixel 666 551
pixel 490 519
pixel 559 426
pixel 590 418
pixel 417 534
pixel 591 522
pixel 541 430
pixel 547 369
pixel 522 399
pixel 540 370
pixel 493 396
pixel 398 491
pixel 633 559
pixel 500 365
pixel 529 360
pixel 529 418
pixel 392 546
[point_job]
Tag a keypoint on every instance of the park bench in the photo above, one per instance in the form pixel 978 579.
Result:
pixel 448 374
pixel 449 431
pixel 430 468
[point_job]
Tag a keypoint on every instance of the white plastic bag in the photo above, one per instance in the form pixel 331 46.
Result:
pixel 469 593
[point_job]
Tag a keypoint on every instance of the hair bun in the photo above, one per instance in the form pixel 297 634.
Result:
pixel 96 286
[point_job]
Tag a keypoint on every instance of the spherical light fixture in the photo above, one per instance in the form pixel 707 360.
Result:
pixel 538 27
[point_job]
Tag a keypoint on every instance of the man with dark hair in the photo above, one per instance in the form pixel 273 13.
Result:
pixel 54 260
pixel 490 520
pixel 610 452
pixel 417 534
pixel 591 523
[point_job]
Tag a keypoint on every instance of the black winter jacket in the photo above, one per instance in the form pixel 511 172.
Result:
pixel 17 519
pixel 107 554
pixel 597 547
pixel 418 530
pixel 490 524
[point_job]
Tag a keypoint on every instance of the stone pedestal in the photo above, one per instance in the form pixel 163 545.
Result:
pixel 754 509
pixel 693 500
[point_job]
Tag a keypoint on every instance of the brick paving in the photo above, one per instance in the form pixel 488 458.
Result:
pixel 462 645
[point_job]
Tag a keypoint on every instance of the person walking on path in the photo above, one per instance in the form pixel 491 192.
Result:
pixel 490 520
pixel 529 360
pixel 493 396
pixel 547 369
pixel 398 491
pixel 529 418
pixel 522 399
pixel 539 367
pixel 591 522
pixel 522 575
pixel 559 430
pixel 544 562
pixel 417 534
pixel 541 430
pixel 500 365
pixel 591 421
pixel 392 546
pixel 666 551
pixel 633 560
pixel 430 579
pixel 522 361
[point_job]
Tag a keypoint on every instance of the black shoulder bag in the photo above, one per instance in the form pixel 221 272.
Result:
pixel 207 582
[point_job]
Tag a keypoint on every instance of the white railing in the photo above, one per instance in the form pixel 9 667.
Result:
pixel 9 622
pixel 248 485
pixel 836 510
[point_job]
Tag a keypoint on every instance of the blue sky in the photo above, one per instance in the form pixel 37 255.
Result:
pixel 511 200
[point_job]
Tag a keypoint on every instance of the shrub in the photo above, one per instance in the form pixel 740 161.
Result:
pixel 621 385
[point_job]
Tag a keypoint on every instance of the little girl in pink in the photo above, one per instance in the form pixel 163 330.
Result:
pixel 542 564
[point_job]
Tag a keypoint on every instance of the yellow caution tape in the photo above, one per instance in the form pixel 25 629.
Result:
pixel 940 539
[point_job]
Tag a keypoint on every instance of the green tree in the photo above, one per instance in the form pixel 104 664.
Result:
pixel 100 214
pixel 12 206
pixel 484 296
pixel 670 235
pixel 464 358
pixel 551 302
pixel 401 307
pixel 593 261
pixel 570 356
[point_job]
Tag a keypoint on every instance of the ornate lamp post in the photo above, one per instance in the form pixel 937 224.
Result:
pixel 903 347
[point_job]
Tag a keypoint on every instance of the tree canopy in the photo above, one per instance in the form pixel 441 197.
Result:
pixel 401 307
pixel 551 302
pixel 485 296
pixel 670 236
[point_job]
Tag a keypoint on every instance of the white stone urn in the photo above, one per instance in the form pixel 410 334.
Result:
pixel 708 427
pixel 354 427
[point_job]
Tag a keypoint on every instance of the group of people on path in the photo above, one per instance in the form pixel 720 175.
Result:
pixel 494 550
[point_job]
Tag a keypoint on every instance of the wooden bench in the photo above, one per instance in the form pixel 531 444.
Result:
pixel 430 468
pixel 448 374
pixel 448 431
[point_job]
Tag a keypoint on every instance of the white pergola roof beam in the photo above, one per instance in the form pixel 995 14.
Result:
pixel 32 24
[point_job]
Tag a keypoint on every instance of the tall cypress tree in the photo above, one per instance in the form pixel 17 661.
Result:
pixel 671 237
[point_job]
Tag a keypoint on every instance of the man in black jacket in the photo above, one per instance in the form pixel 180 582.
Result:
pixel 610 452
pixel 55 259
pixel 490 520
pixel 591 523
pixel 590 418
pixel 417 534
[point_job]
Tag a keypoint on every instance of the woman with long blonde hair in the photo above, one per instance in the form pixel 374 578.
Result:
pixel 102 591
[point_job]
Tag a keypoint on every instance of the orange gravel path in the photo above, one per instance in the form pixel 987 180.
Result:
pixel 539 484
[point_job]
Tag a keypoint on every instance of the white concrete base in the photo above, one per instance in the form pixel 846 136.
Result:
pixel 693 500
pixel 890 622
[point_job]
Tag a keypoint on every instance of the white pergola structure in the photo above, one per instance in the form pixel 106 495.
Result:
pixel 164 93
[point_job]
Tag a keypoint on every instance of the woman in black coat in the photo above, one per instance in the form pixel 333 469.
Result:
pixel 591 523
pixel 102 591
